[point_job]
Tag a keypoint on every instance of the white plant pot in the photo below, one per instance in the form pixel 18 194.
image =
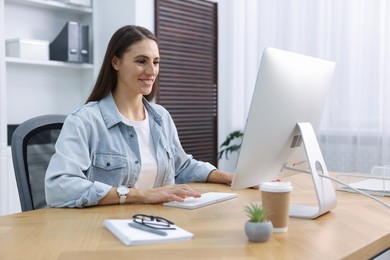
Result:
pixel 258 232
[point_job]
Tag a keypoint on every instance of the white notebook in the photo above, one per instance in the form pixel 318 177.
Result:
pixel 370 186
pixel 205 200
pixel 133 236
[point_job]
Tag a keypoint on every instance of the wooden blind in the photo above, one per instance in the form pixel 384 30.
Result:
pixel 187 31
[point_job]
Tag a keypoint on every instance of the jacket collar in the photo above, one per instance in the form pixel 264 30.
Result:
pixel 111 115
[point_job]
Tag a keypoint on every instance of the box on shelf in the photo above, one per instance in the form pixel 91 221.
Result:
pixel 27 49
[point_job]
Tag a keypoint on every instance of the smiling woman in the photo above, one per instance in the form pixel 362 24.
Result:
pixel 119 48
pixel 137 70
pixel 119 147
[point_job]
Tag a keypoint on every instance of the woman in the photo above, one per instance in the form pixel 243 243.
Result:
pixel 119 147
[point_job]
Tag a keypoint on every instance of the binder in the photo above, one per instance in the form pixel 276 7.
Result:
pixel 65 47
pixel 84 44
pixel 71 44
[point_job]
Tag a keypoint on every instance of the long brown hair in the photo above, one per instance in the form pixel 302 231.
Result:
pixel 120 41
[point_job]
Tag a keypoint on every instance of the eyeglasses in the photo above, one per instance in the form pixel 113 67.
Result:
pixel 153 222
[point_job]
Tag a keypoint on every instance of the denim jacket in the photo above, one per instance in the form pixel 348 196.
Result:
pixel 96 151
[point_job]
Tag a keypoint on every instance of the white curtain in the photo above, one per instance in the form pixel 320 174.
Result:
pixel 355 131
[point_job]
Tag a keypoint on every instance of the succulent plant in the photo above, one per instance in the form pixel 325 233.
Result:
pixel 256 213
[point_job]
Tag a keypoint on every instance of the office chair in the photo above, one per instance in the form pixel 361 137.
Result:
pixel 32 146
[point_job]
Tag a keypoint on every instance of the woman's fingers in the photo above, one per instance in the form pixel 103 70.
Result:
pixel 186 191
pixel 181 191
pixel 170 193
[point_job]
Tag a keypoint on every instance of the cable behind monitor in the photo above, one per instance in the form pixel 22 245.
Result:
pixel 356 190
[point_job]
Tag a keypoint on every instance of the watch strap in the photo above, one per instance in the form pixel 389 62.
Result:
pixel 122 199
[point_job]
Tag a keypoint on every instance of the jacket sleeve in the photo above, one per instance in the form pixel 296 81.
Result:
pixel 187 169
pixel 66 185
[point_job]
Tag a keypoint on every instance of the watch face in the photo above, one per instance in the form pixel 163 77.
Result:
pixel 122 190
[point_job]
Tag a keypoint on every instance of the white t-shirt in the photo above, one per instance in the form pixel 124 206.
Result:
pixel 148 172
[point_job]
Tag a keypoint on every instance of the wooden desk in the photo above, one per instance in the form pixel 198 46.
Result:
pixel 358 228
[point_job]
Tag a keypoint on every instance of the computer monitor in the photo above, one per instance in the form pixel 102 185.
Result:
pixel 286 109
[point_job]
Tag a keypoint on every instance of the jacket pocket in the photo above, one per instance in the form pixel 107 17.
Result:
pixel 111 169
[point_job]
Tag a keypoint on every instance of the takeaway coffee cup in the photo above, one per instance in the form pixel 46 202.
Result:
pixel 275 198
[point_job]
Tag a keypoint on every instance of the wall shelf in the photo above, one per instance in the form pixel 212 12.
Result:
pixel 49 86
pixel 55 5
pixel 50 63
pixel 29 88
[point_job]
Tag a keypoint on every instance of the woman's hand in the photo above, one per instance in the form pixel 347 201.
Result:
pixel 168 193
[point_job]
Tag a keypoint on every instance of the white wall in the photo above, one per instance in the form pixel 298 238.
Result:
pixel 113 14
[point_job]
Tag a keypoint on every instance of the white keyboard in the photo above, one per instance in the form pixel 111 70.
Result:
pixel 205 199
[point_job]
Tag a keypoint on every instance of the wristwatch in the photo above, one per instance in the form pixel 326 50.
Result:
pixel 123 191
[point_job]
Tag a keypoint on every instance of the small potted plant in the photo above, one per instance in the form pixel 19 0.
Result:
pixel 258 228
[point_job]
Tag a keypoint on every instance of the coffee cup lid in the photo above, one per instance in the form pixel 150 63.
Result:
pixel 276 186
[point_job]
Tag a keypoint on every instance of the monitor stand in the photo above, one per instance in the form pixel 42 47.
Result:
pixel 324 189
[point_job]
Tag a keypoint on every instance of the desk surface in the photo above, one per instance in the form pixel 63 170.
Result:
pixel 358 228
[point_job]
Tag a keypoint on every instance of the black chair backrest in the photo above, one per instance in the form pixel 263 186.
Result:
pixel 32 147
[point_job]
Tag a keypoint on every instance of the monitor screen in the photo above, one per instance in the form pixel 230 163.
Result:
pixel 290 88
